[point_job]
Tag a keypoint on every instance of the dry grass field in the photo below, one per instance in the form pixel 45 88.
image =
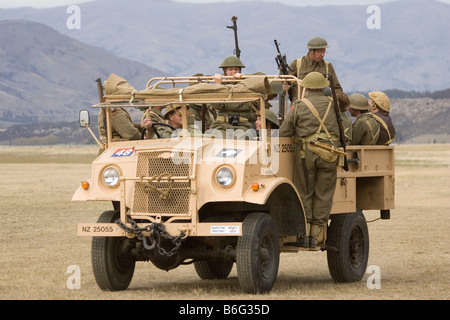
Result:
pixel 39 239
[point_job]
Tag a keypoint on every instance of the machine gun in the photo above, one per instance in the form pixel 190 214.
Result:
pixel 236 51
pixel 337 110
pixel 284 69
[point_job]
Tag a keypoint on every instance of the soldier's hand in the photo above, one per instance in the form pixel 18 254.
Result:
pixel 218 78
pixel 147 124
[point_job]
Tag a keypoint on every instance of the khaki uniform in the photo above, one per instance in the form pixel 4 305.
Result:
pixel 366 130
pixel 243 114
pixel 348 127
pixel 195 114
pixel 154 114
pixel 387 130
pixel 301 67
pixel 303 125
pixel 121 125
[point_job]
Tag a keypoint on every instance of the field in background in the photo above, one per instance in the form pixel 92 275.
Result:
pixel 39 239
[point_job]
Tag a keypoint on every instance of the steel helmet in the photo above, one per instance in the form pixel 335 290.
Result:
pixel 231 61
pixel 317 43
pixel 381 100
pixel 315 80
pixel 358 102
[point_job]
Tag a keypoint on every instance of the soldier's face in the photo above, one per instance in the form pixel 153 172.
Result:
pixel 317 54
pixel 230 71
pixel 176 119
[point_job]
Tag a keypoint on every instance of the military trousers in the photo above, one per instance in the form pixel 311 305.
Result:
pixel 318 197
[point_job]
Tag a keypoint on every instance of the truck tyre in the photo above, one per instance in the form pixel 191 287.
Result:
pixel 112 262
pixel 257 253
pixel 208 270
pixel 348 233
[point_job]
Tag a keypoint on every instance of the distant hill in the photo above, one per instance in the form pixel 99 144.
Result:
pixel 408 52
pixel 46 76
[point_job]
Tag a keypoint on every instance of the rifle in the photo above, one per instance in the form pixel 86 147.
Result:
pixel 236 51
pixel 102 99
pixel 283 67
pixel 337 110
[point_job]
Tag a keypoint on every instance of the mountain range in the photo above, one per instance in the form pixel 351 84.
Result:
pixel 48 71
pixel 406 49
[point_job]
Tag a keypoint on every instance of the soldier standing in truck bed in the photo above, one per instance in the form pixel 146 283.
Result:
pixel 314 61
pixel 366 129
pixel 313 118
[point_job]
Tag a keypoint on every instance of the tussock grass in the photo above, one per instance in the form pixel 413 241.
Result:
pixel 39 238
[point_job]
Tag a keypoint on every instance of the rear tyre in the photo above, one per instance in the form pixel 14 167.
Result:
pixel 112 261
pixel 257 253
pixel 208 270
pixel 349 234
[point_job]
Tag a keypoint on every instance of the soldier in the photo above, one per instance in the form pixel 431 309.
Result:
pixel 380 110
pixel 122 127
pixel 174 119
pixel 344 102
pixel 366 129
pixel 233 116
pixel 272 122
pixel 314 61
pixel 315 171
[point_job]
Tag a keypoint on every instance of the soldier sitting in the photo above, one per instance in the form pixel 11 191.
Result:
pixel 380 110
pixel 366 129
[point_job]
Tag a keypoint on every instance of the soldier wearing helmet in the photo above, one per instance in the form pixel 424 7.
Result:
pixel 272 122
pixel 366 129
pixel 314 61
pixel 231 66
pixel 235 118
pixel 380 108
pixel 315 171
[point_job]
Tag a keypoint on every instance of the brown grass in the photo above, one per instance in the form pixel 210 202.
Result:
pixel 39 239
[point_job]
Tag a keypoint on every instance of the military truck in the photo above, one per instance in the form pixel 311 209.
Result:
pixel 197 198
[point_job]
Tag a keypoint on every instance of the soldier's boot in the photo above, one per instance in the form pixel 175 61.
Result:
pixel 315 233
pixel 303 241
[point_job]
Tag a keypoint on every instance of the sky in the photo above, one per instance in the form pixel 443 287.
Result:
pixel 56 3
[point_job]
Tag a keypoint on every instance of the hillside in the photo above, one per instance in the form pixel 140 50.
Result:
pixel 419 120
pixel 407 52
pixel 46 76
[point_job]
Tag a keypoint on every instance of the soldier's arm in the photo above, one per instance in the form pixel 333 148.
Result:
pixel 287 129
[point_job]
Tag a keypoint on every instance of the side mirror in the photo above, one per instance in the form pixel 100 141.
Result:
pixel 84 118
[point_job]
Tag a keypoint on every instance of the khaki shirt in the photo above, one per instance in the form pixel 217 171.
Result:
pixel 121 125
pixel 308 65
pixel 366 130
pixel 300 122
pixel 348 127
pixel 387 134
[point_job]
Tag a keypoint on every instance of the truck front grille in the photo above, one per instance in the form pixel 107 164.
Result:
pixel 161 194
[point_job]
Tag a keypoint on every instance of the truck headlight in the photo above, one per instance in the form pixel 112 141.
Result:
pixel 225 177
pixel 111 177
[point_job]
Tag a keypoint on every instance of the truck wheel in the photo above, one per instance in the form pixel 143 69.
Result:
pixel 112 262
pixel 349 234
pixel 257 253
pixel 208 270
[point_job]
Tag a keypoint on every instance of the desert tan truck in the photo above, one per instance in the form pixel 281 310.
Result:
pixel 197 198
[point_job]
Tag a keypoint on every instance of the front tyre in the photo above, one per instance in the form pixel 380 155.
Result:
pixel 349 234
pixel 257 253
pixel 112 261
